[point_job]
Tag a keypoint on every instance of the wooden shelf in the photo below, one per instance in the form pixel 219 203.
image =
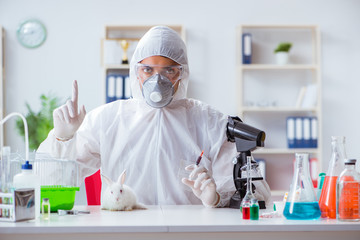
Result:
pixel 133 32
pixel 278 109
pixel 117 66
pixel 284 150
pixel 278 67
pixel 264 26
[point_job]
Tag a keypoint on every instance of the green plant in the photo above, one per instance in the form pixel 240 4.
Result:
pixel 283 47
pixel 39 124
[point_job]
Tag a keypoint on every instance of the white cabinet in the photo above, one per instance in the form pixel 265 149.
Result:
pixel 2 76
pixel 116 82
pixel 269 93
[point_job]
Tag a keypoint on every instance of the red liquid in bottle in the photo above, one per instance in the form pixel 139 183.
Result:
pixel 327 201
pixel 246 212
pixel 348 199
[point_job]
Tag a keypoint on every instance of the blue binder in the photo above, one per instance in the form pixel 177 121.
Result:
pixel 110 87
pixel 290 129
pixel 299 135
pixel 306 132
pixel 302 132
pixel 314 132
pixel 127 87
pixel 119 87
pixel 246 48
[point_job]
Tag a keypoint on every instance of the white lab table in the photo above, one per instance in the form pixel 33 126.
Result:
pixel 174 222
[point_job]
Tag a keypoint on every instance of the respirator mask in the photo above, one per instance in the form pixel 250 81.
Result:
pixel 158 82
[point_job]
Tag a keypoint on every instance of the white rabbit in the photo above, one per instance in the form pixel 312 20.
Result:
pixel 119 197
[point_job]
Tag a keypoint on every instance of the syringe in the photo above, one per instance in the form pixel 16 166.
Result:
pixel 199 158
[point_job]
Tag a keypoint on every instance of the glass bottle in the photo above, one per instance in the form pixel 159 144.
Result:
pixel 45 209
pixel 347 193
pixel 254 209
pixel 301 203
pixel 327 201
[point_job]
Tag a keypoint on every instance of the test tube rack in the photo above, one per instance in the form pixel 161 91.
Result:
pixel 7 207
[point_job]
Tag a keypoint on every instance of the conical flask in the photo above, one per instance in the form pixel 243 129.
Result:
pixel 301 203
pixel 327 201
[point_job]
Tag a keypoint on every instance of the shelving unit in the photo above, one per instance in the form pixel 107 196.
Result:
pixel 111 51
pixel 2 80
pixel 267 94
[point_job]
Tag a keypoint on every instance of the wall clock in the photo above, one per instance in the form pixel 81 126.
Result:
pixel 31 33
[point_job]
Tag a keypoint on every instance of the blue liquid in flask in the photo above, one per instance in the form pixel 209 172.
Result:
pixel 302 211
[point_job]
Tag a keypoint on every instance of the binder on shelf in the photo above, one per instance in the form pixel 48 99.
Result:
pixel 314 133
pixel 301 132
pixel 290 128
pixel 306 132
pixel 246 48
pixel 110 88
pixel 119 87
pixel 298 132
pixel 127 87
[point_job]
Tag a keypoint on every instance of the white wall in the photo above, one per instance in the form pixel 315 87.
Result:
pixel 72 51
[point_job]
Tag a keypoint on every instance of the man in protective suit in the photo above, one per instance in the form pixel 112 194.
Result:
pixel 155 134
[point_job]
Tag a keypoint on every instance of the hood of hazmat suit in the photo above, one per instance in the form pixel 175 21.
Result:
pixel 154 145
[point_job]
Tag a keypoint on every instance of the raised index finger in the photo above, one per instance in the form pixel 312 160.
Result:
pixel 74 97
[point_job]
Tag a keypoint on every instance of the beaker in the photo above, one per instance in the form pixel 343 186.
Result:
pixel 327 201
pixel 301 203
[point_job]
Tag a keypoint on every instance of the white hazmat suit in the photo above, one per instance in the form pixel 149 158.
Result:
pixel 154 145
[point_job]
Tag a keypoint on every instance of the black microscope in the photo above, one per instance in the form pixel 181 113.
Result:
pixel 247 139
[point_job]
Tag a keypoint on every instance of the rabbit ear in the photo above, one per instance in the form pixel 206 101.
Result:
pixel 108 181
pixel 122 177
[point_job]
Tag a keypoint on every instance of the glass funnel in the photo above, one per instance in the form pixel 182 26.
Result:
pixel 301 203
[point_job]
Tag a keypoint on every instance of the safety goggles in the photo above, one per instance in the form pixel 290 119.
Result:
pixel 144 71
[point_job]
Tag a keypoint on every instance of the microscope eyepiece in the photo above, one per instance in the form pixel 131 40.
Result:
pixel 236 129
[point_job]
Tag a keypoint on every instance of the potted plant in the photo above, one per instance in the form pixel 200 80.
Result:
pixel 39 124
pixel 282 53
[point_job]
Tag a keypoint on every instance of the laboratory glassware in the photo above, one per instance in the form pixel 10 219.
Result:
pixel 327 201
pixel 6 181
pixel 320 184
pixel 347 193
pixel 247 201
pixel 45 209
pixel 254 209
pixel 301 203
